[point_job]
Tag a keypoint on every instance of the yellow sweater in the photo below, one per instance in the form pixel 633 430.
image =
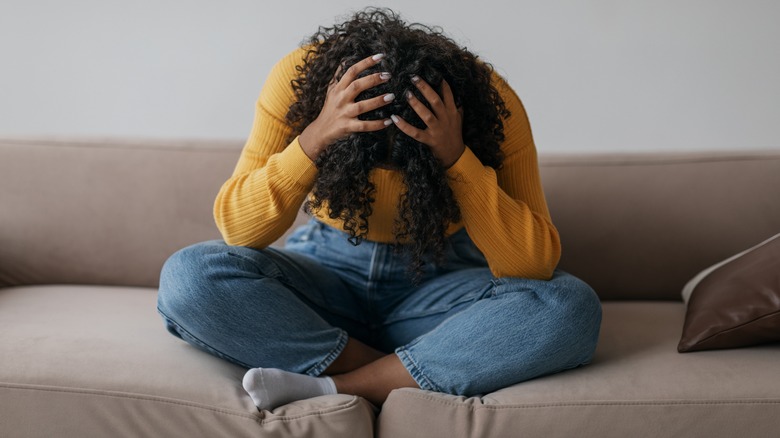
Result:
pixel 504 211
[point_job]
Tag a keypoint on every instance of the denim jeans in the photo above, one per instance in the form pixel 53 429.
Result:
pixel 459 330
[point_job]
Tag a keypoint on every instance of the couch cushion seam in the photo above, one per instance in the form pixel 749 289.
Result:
pixel 131 144
pixel 141 397
pixel 559 161
pixel 599 403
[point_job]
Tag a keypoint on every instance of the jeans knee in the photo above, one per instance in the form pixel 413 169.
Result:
pixel 582 311
pixel 571 316
pixel 183 279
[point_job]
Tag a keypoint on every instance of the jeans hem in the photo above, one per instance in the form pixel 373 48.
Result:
pixel 417 374
pixel 320 367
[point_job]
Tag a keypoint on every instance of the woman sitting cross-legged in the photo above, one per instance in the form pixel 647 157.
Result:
pixel 430 259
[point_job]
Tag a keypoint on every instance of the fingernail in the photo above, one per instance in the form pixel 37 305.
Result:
pixel 389 97
pixel 395 118
pixel 409 95
pixel 388 122
pixel 378 56
pixel 385 75
pixel 415 79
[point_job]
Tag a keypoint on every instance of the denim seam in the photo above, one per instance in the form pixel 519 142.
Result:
pixel 311 303
pixel 320 367
pixel 415 370
pixel 410 315
pixel 495 284
pixel 375 271
pixel 277 274
pixel 201 343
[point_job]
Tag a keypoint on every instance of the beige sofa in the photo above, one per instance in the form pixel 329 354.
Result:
pixel 86 225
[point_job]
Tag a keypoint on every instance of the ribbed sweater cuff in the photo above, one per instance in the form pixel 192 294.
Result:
pixel 297 165
pixel 465 173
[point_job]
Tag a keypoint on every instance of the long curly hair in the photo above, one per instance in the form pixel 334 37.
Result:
pixel 343 185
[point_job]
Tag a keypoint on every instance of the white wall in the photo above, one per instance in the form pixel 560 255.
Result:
pixel 595 75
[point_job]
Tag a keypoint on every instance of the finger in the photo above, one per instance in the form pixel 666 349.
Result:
pixel 367 105
pixel 335 79
pixel 353 72
pixel 449 98
pixel 410 130
pixel 360 85
pixel 368 125
pixel 429 94
pixel 425 114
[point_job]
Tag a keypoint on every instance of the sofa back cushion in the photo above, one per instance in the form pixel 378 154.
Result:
pixel 103 211
pixel 110 212
pixel 639 226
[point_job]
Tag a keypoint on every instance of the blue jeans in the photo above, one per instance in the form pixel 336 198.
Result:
pixel 460 330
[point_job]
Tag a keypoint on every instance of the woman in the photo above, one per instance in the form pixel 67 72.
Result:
pixel 430 259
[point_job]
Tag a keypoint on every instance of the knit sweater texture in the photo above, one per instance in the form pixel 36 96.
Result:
pixel 504 211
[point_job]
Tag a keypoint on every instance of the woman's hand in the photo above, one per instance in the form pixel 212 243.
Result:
pixel 444 124
pixel 339 115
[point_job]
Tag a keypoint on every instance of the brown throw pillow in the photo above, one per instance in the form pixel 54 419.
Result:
pixel 735 303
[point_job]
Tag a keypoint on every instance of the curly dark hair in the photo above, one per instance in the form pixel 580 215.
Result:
pixel 343 184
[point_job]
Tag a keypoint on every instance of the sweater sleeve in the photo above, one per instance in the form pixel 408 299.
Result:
pixel 504 211
pixel 261 199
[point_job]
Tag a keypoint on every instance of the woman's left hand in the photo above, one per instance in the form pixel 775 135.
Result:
pixel 443 133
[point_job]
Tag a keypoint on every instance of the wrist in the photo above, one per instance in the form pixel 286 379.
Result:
pixel 454 157
pixel 308 139
pixel 307 142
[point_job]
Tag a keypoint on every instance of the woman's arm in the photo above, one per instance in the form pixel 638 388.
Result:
pixel 504 212
pixel 260 201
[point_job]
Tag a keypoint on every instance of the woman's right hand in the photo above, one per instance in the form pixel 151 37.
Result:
pixel 339 115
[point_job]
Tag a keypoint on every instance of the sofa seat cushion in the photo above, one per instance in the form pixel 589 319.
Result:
pixel 97 361
pixel 638 385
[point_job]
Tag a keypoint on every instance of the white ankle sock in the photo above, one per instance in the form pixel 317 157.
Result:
pixel 270 387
